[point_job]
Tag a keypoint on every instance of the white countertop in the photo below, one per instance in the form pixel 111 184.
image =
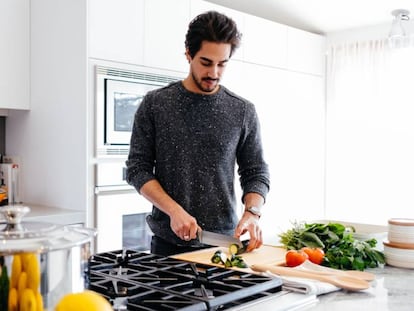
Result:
pixel 54 215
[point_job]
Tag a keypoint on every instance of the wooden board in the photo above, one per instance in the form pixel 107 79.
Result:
pixel 266 254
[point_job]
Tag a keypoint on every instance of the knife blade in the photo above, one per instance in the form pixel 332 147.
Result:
pixel 217 239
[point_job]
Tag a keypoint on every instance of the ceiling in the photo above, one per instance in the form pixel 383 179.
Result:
pixel 322 16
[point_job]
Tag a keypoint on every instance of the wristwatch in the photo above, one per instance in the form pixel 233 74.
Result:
pixel 254 210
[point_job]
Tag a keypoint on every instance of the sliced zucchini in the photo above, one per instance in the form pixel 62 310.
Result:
pixel 216 258
pixel 234 249
pixel 238 261
pixel 228 263
pixel 219 257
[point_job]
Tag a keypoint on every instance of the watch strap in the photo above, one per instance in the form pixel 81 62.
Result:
pixel 254 210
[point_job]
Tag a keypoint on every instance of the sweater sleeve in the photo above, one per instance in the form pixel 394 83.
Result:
pixel 141 158
pixel 253 170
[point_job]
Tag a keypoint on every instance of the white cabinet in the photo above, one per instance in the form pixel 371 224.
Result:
pixel 116 30
pixel 265 42
pixel 306 52
pixel 166 23
pixel 139 32
pixel 14 54
pixel 199 6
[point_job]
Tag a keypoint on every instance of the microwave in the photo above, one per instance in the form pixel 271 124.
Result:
pixel 119 93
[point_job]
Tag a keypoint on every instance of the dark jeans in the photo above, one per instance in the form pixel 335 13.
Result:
pixel 163 248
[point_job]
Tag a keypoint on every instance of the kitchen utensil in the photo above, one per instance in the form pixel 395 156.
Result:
pixel 53 257
pixel 266 254
pixel 399 254
pixel 401 230
pixel 217 239
pixel 341 281
pixel 322 270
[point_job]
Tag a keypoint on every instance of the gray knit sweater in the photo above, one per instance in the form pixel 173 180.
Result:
pixel 190 143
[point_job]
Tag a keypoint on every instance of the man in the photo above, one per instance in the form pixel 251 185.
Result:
pixel 186 140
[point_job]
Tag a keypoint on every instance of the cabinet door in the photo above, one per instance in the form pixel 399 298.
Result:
pixel 265 42
pixel 14 54
pixel 199 6
pixel 116 30
pixel 306 51
pixel 166 24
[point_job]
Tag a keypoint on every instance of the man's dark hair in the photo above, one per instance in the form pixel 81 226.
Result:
pixel 213 27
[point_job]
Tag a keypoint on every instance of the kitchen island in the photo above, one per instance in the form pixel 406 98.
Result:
pixel 391 290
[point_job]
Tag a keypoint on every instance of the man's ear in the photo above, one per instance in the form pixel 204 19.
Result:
pixel 187 55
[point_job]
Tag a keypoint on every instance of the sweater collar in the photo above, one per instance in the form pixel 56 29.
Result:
pixel 201 97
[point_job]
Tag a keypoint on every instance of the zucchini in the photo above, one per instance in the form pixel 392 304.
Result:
pixel 234 249
pixel 233 261
pixel 219 257
pixel 238 261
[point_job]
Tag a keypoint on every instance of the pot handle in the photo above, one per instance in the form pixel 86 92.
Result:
pixel 14 213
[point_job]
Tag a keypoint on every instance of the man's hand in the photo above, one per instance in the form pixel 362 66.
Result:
pixel 183 224
pixel 250 223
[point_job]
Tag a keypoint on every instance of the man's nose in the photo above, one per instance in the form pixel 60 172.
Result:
pixel 213 72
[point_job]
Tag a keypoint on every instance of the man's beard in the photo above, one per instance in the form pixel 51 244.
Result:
pixel 199 84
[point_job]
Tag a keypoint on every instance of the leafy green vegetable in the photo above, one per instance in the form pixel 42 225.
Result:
pixel 342 250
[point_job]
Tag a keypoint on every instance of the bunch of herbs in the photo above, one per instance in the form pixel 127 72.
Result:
pixel 342 250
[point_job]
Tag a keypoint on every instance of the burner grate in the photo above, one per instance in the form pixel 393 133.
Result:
pixel 143 281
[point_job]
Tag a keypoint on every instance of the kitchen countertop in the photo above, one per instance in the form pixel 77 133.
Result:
pixel 391 290
pixel 55 215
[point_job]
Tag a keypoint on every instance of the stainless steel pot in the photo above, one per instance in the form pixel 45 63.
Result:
pixel 47 259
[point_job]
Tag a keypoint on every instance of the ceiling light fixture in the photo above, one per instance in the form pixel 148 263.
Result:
pixel 397 32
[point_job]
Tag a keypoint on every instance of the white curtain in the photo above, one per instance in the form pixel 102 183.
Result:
pixel 370 131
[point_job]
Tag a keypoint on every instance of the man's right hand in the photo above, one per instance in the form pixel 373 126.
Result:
pixel 183 224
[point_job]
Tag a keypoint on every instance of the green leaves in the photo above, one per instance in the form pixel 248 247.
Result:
pixel 342 251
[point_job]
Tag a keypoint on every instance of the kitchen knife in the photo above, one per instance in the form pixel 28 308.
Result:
pixel 217 239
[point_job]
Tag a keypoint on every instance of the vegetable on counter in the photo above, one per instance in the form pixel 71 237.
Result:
pixel 295 257
pixel 316 255
pixel 341 249
pixel 233 261
pixel 4 285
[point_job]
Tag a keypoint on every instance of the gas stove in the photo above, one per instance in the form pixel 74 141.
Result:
pixel 133 280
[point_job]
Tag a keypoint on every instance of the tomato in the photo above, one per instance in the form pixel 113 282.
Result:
pixel 295 257
pixel 316 255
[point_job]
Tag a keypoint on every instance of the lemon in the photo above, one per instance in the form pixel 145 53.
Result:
pixel 39 301
pixel 16 270
pixel 13 306
pixel 28 300
pixel 84 301
pixel 33 273
pixel 25 257
pixel 22 283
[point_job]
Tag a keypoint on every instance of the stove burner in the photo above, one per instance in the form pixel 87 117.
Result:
pixel 133 280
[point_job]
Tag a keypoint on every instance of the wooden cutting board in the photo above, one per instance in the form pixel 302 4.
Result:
pixel 267 254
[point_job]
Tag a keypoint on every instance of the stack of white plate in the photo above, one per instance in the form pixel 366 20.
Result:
pixel 399 249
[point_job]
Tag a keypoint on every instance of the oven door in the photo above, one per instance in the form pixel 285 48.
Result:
pixel 120 220
pixel 122 99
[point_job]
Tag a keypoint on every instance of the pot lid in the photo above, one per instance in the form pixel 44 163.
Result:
pixel 20 236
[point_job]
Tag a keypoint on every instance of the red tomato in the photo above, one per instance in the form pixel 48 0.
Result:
pixel 316 255
pixel 295 258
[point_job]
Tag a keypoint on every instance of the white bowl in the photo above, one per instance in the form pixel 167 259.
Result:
pixel 401 230
pixel 399 254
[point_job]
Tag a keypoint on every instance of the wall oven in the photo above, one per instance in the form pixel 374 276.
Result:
pixel 118 95
pixel 120 211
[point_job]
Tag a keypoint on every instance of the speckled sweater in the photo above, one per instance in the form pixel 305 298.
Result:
pixel 190 143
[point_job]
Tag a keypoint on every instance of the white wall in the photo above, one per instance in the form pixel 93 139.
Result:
pixel 365 33
pixel 370 166
pixel 45 137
